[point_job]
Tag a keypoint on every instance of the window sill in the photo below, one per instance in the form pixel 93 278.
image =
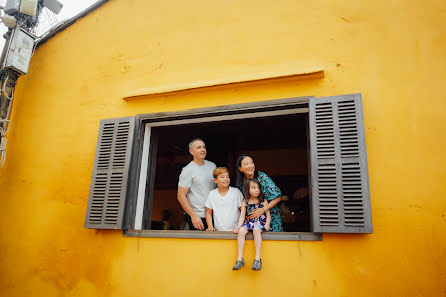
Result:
pixel 290 236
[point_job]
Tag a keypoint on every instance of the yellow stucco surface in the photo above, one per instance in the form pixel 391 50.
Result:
pixel 393 52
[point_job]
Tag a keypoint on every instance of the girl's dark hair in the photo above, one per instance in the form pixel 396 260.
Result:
pixel 246 190
pixel 240 175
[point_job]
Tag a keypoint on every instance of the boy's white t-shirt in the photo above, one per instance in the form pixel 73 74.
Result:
pixel 226 208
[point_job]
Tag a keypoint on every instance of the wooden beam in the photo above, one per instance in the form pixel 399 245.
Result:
pixel 314 73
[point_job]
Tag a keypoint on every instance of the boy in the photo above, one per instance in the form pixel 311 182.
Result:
pixel 224 202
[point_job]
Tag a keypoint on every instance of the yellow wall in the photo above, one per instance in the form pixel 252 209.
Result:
pixel 393 52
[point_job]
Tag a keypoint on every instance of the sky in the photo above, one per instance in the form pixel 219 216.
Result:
pixel 73 7
pixel 49 19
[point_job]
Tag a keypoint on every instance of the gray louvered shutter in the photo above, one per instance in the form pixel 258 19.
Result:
pixel 108 186
pixel 339 172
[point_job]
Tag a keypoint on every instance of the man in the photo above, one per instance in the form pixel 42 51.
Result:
pixel 194 185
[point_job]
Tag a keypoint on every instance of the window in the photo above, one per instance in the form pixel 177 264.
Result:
pixel 279 151
pixel 313 148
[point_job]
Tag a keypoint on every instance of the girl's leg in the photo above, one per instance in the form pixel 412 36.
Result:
pixel 257 242
pixel 241 242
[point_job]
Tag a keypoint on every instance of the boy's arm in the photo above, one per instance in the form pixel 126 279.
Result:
pixel 209 219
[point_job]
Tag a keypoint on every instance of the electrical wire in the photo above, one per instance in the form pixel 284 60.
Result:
pixel 24 21
pixel 4 89
pixel 36 42
pixel 7 125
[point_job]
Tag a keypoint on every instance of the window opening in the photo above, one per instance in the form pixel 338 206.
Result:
pixel 278 144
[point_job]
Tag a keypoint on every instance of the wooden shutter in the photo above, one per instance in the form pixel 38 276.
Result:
pixel 108 188
pixel 339 172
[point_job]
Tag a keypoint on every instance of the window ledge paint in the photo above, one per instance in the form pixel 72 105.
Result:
pixel 311 73
pixel 290 236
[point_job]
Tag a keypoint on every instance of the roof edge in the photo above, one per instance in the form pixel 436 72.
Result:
pixel 65 24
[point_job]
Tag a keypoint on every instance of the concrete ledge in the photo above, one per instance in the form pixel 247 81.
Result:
pixel 290 236
pixel 317 72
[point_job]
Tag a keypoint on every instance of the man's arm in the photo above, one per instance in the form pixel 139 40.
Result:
pixel 196 220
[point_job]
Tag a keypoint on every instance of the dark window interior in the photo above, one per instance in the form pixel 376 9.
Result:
pixel 278 145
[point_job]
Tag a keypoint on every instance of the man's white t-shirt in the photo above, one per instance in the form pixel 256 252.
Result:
pixel 226 208
pixel 199 180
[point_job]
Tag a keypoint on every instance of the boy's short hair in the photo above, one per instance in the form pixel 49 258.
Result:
pixel 219 170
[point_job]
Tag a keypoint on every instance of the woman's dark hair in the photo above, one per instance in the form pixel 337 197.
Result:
pixel 246 190
pixel 241 175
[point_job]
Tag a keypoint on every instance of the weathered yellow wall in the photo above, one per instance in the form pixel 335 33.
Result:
pixel 393 52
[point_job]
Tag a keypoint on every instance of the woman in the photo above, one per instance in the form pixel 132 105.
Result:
pixel 247 169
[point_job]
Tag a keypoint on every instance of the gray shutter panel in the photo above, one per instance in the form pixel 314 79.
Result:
pixel 108 186
pixel 339 172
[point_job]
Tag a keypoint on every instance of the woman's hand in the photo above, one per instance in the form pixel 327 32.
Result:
pixel 257 213
pixel 210 229
pixel 267 227
pixel 235 230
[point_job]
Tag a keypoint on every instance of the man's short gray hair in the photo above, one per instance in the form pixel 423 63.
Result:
pixel 191 143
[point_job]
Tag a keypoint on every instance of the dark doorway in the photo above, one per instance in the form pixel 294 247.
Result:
pixel 278 145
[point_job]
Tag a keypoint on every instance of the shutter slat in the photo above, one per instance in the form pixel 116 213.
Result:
pixel 110 174
pixel 339 173
pixel 324 130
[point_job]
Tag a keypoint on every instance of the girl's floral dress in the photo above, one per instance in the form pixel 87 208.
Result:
pixel 259 222
pixel 270 192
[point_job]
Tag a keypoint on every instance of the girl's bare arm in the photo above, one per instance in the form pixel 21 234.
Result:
pixel 268 216
pixel 242 217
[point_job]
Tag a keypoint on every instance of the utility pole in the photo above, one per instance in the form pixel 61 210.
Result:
pixel 21 17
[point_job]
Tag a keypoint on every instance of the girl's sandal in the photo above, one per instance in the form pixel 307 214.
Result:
pixel 257 265
pixel 238 264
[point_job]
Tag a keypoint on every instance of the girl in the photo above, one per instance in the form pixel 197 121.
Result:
pixel 253 199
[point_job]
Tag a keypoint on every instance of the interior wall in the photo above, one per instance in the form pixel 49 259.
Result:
pixel 167 200
pixel 281 161
pixel 390 51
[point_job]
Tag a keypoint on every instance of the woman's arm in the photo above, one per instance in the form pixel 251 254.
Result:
pixel 209 219
pixel 273 203
pixel 260 211
pixel 242 217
